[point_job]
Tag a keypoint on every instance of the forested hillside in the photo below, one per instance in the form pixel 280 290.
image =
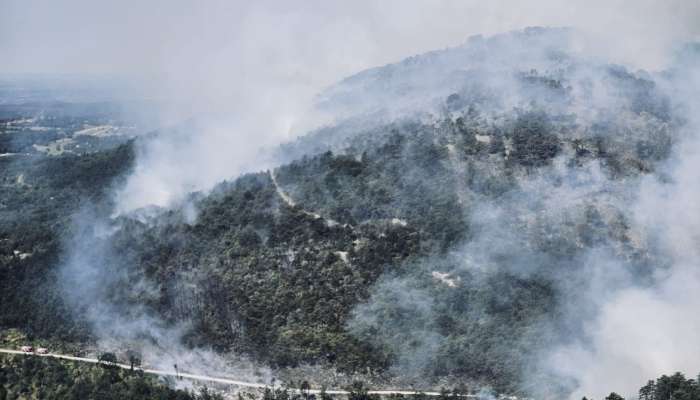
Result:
pixel 444 241
pixel 39 199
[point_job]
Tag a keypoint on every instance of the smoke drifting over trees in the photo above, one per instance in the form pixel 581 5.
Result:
pixel 252 70
pixel 517 211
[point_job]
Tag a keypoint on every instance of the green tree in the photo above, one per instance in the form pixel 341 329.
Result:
pixel 358 391
pixel 107 360
pixel 646 392
pixel 134 359
pixel 614 396
pixel 304 388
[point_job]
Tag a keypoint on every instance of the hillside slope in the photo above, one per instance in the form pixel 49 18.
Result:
pixel 442 232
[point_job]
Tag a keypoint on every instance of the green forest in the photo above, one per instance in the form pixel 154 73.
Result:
pixel 431 249
pixel 25 378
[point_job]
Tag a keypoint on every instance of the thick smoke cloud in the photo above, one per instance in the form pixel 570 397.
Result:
pixel 649 330
pixel 617 247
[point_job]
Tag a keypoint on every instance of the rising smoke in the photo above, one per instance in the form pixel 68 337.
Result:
pixel 245 76
pixel 644 331
pixel 616 246
pixel 251 70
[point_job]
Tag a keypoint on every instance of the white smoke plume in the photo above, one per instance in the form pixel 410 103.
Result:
pixel 235 77
pixel 248 71
pixel 643 332
pixel 633 327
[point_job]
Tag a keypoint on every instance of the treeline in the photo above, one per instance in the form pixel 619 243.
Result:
pixel 674 387
pixel 359 391
pixel 24 377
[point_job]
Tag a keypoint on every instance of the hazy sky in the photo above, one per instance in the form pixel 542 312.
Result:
pixel 218 54
pixel 163 37
pixel 259 63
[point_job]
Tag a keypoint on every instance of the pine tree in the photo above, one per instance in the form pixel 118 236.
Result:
pixel 646 392
pixel 614 396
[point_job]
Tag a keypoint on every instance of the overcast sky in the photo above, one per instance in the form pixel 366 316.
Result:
pixel 312 40
pixel 216 53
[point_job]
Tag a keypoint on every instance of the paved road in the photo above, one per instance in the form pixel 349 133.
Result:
pixel 204 378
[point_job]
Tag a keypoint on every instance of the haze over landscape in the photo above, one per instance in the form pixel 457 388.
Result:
pixel 377 199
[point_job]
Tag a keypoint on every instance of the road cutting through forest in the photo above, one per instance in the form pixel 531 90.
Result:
pixel 225 381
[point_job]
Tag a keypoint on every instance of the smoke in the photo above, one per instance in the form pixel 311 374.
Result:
pixel 594 251
pixel 643 332
pixel 233 78
pixel 248 71
pixel 570 224
pixel 117 303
